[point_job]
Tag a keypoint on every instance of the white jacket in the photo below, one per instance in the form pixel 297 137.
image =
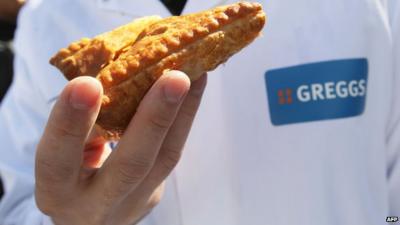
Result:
pixel 302 127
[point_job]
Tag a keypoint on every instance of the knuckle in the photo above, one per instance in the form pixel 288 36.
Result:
pixel 47 203
pixel 160 122
pixel 52 173
pixel 108 199
pixel 126 176
pixel 134 170
pixel 189 111
pixel 170 158
pixel 45 208
pixel 65 130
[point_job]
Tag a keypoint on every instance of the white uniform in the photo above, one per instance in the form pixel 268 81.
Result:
pixel 302 127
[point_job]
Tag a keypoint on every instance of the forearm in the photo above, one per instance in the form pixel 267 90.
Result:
pixel 9 9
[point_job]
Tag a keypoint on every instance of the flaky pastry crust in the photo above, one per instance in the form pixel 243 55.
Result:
pixel 194 43
pixel 88 56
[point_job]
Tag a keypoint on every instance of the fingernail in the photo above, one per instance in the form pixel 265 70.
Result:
pixel 173 94
pixel 176 87
pixel 85 93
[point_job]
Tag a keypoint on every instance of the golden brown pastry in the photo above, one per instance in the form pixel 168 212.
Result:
pixel 89 56
pixel 194 44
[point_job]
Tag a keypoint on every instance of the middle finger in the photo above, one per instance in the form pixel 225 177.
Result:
pixel 139 147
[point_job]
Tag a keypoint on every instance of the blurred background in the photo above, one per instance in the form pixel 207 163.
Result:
pixel 7 29
pixel 8 14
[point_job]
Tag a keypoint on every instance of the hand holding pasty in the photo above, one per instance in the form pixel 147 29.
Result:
pixel 129 59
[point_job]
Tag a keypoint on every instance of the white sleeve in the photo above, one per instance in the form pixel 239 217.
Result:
pixel 393 131
pixel 22 118
pixel 26 107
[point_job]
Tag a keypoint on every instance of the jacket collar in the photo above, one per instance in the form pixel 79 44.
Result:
pixel 156 7
pixel 136 7
pixel 198 5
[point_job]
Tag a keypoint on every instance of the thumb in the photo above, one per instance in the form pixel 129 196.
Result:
pixel 60 150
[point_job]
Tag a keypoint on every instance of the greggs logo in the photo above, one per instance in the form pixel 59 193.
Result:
pixel 317 91
pixel 326 91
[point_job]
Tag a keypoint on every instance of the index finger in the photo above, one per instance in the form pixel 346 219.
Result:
pixel 59 152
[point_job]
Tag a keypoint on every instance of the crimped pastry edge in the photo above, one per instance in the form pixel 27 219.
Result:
pixel 131 82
